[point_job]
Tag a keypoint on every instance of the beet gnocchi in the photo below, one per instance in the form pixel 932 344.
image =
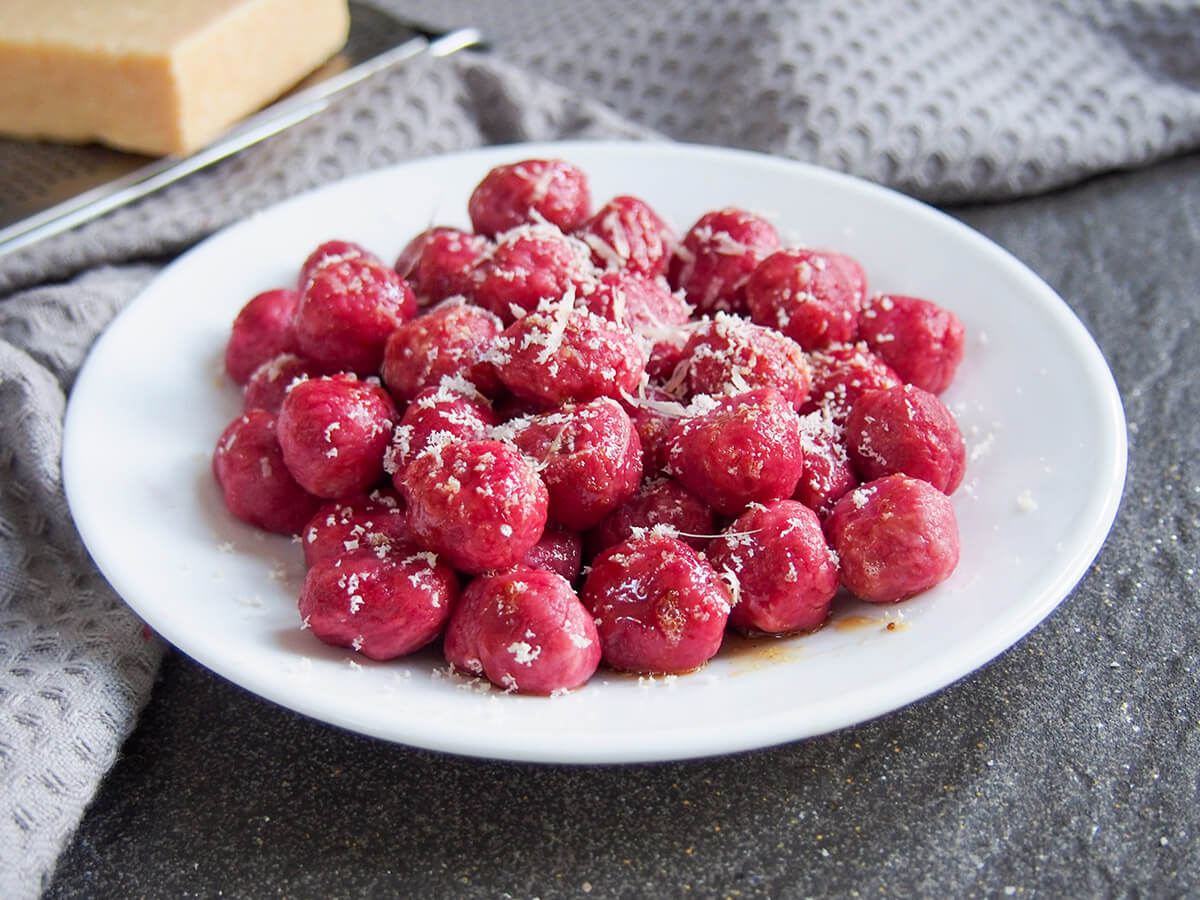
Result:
pixel 565 439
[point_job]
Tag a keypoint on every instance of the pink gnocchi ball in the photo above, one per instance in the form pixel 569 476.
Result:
pixel 919 339
pixel 894 537
pixel 546 190
pixel 909 430
pixel 659 606
pixel 589 456
pixel 380 606
pixel 744 449
pixel 254 479
pixel 717 256
pixel 334 432
pixel 785 572
pixel 525 630
pixel 480 504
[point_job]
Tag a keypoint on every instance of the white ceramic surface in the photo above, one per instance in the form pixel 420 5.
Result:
pixel 1036 402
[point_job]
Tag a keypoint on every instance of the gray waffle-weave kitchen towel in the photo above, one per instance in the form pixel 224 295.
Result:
pixel 949 100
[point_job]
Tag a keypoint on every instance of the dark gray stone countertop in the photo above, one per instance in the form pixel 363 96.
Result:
pixel 1068 767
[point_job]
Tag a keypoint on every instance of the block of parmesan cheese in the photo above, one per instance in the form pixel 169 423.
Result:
pixel 154 76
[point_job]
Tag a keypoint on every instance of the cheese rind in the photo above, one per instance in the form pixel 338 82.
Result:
pixel 155 76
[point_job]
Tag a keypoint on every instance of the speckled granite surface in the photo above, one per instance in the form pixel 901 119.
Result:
pixel 1067 767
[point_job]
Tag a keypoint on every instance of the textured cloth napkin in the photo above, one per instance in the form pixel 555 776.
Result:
pixel 949 100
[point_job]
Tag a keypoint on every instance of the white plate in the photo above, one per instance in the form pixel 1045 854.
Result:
pixel 1038 406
